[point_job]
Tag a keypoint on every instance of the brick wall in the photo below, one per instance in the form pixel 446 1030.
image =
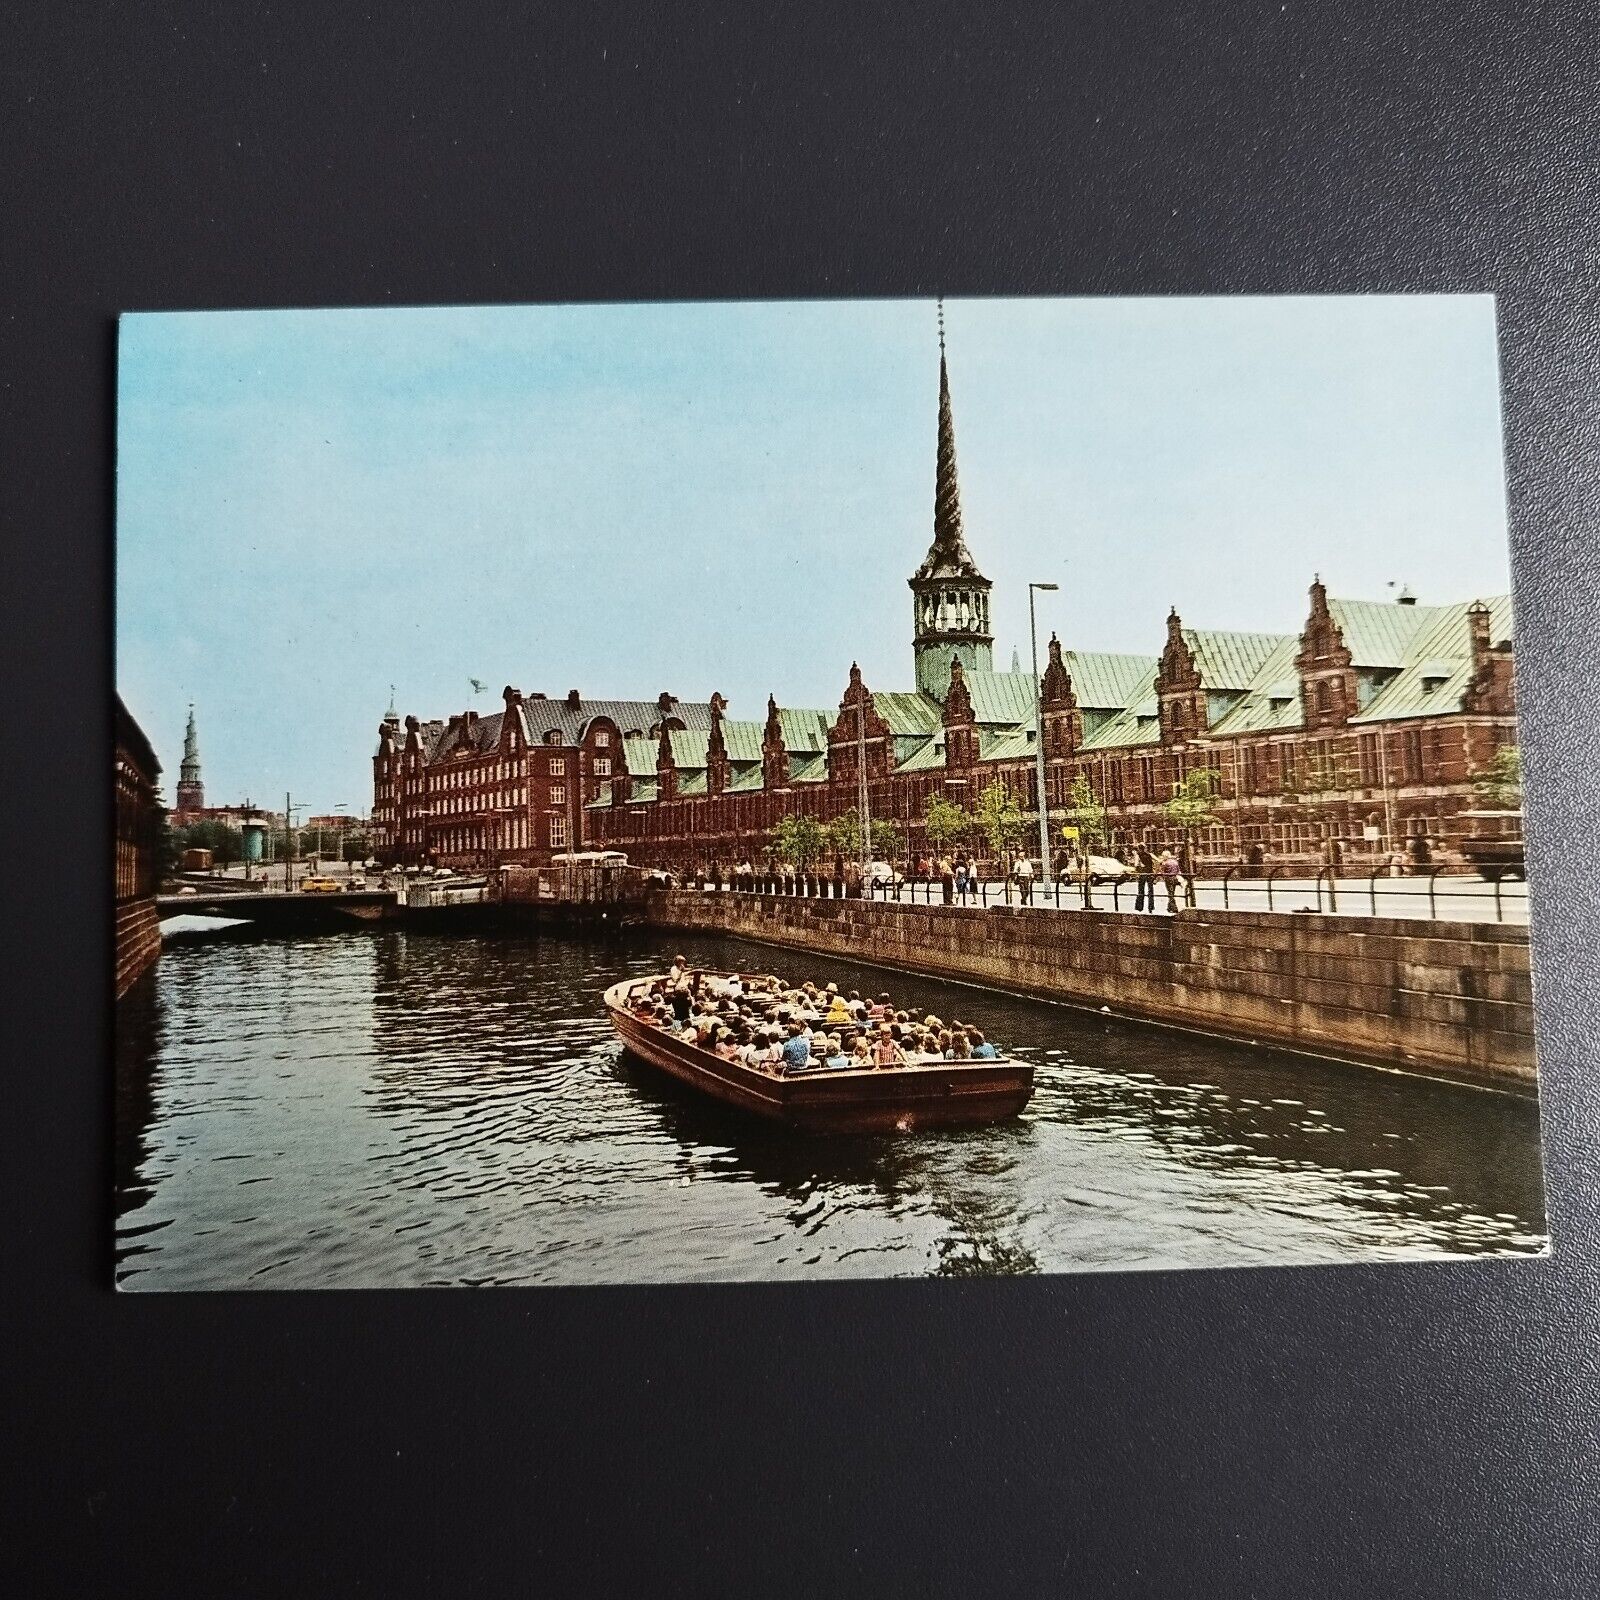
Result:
pixel 138 937
pixel 1448 998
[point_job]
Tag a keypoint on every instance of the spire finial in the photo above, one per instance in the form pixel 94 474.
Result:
pixel 941 325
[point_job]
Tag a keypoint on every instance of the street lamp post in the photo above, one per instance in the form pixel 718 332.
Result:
pixel 1038 732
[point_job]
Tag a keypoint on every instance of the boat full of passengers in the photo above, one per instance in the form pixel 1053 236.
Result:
pixel 812 1058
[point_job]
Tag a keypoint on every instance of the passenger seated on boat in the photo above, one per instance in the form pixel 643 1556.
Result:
pixel 858 1006
pixel 839 1014
pixel 885 1052
pixel 861 1051
pixel 796 1049
pixel 726 1048
pixel 880 1008
pixel 982 1050
pixel 960 1046
pixel 836 1056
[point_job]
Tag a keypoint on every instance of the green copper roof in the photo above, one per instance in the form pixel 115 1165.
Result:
pixel 1273 699
pixel 1440 667
pixel 811 769
pixel 742 740
pixel 1106 682
pixel 804 730
pixel 747 777
pixel 689 748
pixel 1000 698
pixel 908 713
pixel 1231 660
pixel 640 754
pixel 1004 744
pixel 1381 633
pixel 927 757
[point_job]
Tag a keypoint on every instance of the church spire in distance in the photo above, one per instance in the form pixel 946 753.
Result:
pixel 191 794
pixel 950 595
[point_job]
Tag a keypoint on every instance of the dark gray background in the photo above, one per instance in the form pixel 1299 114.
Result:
pixel 1389 1430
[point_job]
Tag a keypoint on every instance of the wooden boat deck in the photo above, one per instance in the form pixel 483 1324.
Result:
pixel 932 1094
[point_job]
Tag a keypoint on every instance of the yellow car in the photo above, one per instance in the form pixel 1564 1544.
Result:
pixel 319 886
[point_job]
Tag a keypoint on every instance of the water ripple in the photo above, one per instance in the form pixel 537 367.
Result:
pixel 411 1109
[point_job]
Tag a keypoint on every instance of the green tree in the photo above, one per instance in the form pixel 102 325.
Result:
pixel 945 823
pixel 844 837
pixel 1003 823
pixel 1084 812
pixel 1498 786
pixel 800 840
pixel 225 843
pixel 1194 806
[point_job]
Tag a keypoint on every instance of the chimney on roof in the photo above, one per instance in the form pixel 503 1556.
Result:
pixel 1405 597
pixel 572 698
pixel 538 695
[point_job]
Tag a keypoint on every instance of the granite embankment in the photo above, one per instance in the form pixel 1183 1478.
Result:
pixel 1445 998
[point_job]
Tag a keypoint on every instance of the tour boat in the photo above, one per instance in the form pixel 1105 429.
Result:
pixel 932 1094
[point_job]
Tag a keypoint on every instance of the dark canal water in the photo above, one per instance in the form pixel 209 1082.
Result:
pixel 390 1109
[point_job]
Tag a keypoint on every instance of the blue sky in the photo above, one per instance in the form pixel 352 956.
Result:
pixel 625 499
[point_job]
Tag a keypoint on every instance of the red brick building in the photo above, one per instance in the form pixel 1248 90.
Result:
pixel 1356 737
pixel 137 840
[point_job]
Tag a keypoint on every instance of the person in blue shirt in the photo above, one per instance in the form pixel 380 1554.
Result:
pixel 796 1049
pixel 837 1055
pixel 982 1050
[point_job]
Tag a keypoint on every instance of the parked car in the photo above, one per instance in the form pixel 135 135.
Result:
pixel 319 886
pixel 356 883
pixel 881 874
pixel 1102 869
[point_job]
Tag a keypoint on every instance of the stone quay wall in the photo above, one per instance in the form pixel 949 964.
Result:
pixel 1452 999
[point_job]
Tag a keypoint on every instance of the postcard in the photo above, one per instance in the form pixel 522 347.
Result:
pixel 669 793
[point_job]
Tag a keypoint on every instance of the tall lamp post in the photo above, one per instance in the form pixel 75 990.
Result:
pixel 1038 732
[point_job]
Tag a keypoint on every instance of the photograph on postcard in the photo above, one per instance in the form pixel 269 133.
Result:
pixel 609 794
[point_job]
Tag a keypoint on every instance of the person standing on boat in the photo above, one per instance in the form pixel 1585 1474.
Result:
pixel 678 988
pixel 885 1052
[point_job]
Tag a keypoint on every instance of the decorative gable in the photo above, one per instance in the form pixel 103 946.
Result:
pixel 1329 691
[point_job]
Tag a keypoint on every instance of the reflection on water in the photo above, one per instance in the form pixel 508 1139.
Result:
pixel 385 1108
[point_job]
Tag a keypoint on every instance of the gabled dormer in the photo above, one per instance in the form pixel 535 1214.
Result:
pixel 960 729
pixel 1329 693
pixel 718 770
pixel 858 728
pixel 1180 693
pixel 666 766
pixel 774 754
pixel 1058 706
pixel 1492 688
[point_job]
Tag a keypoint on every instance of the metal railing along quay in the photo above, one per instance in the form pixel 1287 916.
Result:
pixel 1434 893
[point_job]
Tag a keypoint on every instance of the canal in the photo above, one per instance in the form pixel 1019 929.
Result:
pixel 389 1109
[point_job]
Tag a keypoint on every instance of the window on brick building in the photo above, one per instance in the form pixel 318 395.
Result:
pixel 558 766
pixel 602 739
pixel 602 766
pixel 1411 755
pixel 558 794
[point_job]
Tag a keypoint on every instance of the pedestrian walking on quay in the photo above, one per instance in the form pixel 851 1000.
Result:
pixel 1145 864
pixel 1024 876
pixel 1171 876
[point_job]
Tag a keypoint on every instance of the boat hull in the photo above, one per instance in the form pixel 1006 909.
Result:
pixel 940 1094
